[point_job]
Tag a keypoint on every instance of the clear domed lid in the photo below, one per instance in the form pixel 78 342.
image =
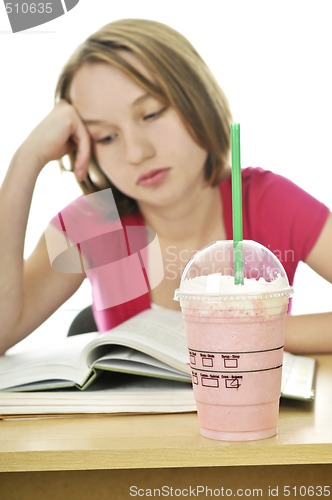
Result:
pixel 210 272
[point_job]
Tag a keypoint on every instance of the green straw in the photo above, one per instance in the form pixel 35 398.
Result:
pixel 237 204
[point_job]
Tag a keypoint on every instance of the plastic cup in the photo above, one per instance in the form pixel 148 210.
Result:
pixel 235 336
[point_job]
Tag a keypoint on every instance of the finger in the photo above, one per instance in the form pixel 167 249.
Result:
pixel 83 152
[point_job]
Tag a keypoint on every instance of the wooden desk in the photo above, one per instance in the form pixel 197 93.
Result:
pixel 101 457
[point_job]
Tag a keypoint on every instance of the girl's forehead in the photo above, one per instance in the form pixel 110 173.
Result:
pixel 102 71
pixel 100 90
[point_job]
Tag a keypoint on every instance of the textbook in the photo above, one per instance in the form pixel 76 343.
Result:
pixel 125 395
pixel 142 365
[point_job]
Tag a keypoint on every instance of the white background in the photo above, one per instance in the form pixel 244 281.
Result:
pixel 273 60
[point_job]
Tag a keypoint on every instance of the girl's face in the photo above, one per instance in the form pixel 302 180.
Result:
pixel 142 146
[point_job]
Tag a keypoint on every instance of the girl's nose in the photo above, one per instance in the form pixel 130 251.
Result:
pixel 138 147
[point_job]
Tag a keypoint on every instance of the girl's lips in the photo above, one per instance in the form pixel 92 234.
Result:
pixel 153 177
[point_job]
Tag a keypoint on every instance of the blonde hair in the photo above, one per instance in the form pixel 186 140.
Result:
pixel 179 78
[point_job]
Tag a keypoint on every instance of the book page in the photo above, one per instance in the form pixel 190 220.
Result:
pixel 58 364
pixel 157 332
pixel 112 394
pixel 298 375
pixel 126 360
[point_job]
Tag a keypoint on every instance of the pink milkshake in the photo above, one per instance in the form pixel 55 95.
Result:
pixel 235 337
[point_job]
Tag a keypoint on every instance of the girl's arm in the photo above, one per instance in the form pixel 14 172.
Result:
pixel 312 333
pixel 29 290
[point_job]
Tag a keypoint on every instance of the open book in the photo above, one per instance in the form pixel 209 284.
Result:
pixel 104 367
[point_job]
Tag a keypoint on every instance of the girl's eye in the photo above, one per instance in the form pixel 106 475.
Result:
pixel 156 114
pixel 106 140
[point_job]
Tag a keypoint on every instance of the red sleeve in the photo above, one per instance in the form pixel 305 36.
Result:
pixel 285 212
pixel 279 215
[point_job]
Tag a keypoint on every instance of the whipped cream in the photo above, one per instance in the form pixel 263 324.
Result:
pixel 220 284
pixel 217 292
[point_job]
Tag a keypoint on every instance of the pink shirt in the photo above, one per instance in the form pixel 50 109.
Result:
pixel 276 213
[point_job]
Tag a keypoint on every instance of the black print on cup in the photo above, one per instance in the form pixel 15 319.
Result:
pixel 25 14
pixel 212 381
pixel 233 382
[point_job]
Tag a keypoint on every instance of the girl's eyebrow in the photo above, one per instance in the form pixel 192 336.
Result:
pixel 135 103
